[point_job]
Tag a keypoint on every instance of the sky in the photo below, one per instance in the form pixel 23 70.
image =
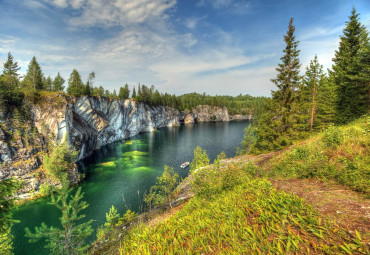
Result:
pixel 223 47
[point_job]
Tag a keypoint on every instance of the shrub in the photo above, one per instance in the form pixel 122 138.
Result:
pixel 333 136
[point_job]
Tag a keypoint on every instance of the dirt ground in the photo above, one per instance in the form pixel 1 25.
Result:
pixel 348 208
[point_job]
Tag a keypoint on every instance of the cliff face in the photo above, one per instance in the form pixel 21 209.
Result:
pixel 93 122
pixel 89 123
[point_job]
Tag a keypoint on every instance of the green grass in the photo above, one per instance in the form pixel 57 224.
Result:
pixel 251 218
pixel 235 209
pixel 341 154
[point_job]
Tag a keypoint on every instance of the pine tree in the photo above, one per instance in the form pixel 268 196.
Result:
pixel 89 88
pixel 10 71
pixel 349 71
pixel 126 92
pixel 33 78
pixel 47 83
pixel 167 183
pixel 58 83
pixel 133 93
pixel 112 217
pixel 70 239
pixel 76 87
pixel 317 97
pixel 281 123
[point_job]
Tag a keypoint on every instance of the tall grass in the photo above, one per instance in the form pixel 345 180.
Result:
pixel 341 154
pixel 250 218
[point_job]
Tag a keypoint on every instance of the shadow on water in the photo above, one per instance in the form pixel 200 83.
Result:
pixel 119 174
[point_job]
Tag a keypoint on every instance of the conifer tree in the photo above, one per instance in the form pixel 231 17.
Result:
pixel 70 239
pixel 75 85
pixel 58 83
pixel 33 78
pixel 133 93
pixel 349 71
pixel 281 122
pixel 126 92
pixel 47 83
pixel 10 71
pixel 167 183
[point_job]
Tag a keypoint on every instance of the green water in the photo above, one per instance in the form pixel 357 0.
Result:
pixel 118 174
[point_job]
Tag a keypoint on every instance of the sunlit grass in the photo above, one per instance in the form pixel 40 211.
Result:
pixel 251 218
pixel 341 154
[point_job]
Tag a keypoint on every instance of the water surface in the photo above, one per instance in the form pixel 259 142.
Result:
pixel 118 174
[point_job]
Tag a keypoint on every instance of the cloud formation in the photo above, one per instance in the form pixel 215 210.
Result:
pixel 108 13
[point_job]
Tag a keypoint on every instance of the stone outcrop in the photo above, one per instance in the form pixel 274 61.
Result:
pixel 240 117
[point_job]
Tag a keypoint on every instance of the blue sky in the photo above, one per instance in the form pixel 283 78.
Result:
pixel 180 46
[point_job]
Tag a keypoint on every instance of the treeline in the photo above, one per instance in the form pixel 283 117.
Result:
pixel 14 89
pixel 304 104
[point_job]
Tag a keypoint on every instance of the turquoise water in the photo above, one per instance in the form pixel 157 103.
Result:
pixel 118 174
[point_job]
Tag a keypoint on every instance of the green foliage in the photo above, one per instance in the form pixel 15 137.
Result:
pixel 200 159
pixel 351 71
pixel 10 96
pixel 75 85
pixel 33 79
pixel 45 189
pixel 124 92
pixel 166 184
pixel 112 217
pixel 317 98
pixel 217 161
pixel 59 160
pixel 248 140
pixel 58 83
pixel 70 239
pixel 7 189
pixel 339 154
pixel 333 136
pixel 280 124
pixel 252 218
pixel 10 72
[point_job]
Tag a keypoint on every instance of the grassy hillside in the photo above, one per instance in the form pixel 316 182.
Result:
pixel 236 209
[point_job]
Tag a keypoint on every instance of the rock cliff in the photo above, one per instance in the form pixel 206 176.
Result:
pixel 88 123
pixel 93 122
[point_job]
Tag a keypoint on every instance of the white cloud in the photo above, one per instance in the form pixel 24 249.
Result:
pixel 235 6
pixel 109 13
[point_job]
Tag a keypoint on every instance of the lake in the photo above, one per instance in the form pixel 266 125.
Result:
pixel 118 174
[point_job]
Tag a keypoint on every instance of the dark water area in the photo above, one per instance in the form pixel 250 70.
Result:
pixel 118 174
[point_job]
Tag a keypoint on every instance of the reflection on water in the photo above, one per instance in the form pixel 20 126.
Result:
pixel 119 174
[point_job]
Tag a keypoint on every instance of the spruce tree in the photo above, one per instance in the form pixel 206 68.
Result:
pixel 58 83
pixel 126 92
pixel 33 78
pixel 349 71
pixel 10 71
pixel 317 97
pixel 133 93
pixel 282 122
pixel 70 239
pixel 47 83
pixel 76 87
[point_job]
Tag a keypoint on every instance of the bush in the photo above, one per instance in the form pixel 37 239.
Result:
pixel 333 136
